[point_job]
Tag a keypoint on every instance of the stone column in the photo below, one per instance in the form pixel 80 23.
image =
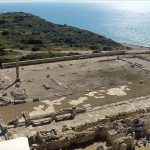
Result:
pixel 17 70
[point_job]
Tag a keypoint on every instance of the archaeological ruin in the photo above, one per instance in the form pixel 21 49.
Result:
pixel 90 102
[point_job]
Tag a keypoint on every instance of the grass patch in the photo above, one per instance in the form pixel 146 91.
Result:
pixel 131 77
pixel 46 55
pixel 41 56
pixel 113 73
pixel 125 75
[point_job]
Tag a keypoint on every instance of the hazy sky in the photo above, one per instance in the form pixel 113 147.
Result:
pixel 59 0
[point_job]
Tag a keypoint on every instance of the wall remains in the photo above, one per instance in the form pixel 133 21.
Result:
pixel 64 58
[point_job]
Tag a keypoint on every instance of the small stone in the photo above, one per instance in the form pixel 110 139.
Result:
pixel 62 74
pixel 141 82
pixel 100 70
pixel 35 99
pixel 47 87
pixel 1 86
pixel 17 85
pixel 48 76
pixel 19 94
pixel 112 68
pixel 100 148
pixel 61 66
pixel 47 68
pixel 4 94
pixel 88 90
pixel 132 66
pixel 29 80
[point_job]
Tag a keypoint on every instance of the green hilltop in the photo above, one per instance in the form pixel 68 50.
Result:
pixel 28 32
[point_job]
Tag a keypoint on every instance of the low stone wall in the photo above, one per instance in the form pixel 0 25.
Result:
pixel 69 138
pixel 134 53
pixel 143 58
pixel 38 120
pixel 65 58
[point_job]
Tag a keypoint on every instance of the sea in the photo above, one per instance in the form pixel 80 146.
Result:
pixel 123 21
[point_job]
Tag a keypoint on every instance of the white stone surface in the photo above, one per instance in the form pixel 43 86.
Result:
pixel 15 144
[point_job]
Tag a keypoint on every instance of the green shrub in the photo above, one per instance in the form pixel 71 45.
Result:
pixel 96 51
pixel 5 33
pixel 41 56
pixel 93 47
pixel 36 48
pixel 2 51
pixel 107 48
pixel 6 60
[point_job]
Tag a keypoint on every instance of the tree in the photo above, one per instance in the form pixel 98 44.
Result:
pixel 5 33
pixel 93 47
pixel 32 41
pixel 2 51
pixel 107 48
pixel 2 22
pixel 35 48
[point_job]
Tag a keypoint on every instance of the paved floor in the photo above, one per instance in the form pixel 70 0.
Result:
pixel 145 64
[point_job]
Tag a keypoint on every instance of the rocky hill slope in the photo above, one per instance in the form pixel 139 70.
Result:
pixel 28 32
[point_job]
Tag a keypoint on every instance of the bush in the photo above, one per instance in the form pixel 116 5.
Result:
pixel 22 47
pixel 5 33
pixel 35 48
pixel 107 48
pixel 93 47
pixel 96 51
pixel 32 41
pixel 41 56
pixel 2 51
pixel 6 60
pixel 73 53
pixel 2 22
pixel 128 48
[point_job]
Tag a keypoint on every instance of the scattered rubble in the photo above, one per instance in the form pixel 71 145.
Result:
pixel 46 86
pixel 17 85
pixel 35 99
pixel 19 94
pixel 4 101
pixel 119 131
pixel 38 120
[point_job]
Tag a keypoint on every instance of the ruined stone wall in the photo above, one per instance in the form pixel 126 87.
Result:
pixel 65 58
pixel 74 138
pixel 143 58
pixel 90 131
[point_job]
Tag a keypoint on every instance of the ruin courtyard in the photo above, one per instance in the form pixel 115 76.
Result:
pixel 74 93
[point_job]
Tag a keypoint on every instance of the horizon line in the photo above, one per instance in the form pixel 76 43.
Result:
pixel 65 1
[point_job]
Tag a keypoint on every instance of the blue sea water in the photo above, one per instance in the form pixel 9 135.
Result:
pixel 126 22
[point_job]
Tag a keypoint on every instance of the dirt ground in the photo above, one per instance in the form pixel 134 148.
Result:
pixel 89 82
pixel 93 83
pixel 68 78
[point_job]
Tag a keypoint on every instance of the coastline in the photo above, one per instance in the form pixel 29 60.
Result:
pixel 135 47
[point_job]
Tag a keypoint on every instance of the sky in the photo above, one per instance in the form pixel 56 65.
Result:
pixel 61 0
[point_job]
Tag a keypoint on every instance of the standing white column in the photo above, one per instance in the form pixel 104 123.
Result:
pixel 17 70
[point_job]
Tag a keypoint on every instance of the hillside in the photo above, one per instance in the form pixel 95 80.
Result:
pixel 28 32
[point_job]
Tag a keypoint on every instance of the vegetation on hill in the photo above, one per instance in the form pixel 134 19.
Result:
pixel 28 32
